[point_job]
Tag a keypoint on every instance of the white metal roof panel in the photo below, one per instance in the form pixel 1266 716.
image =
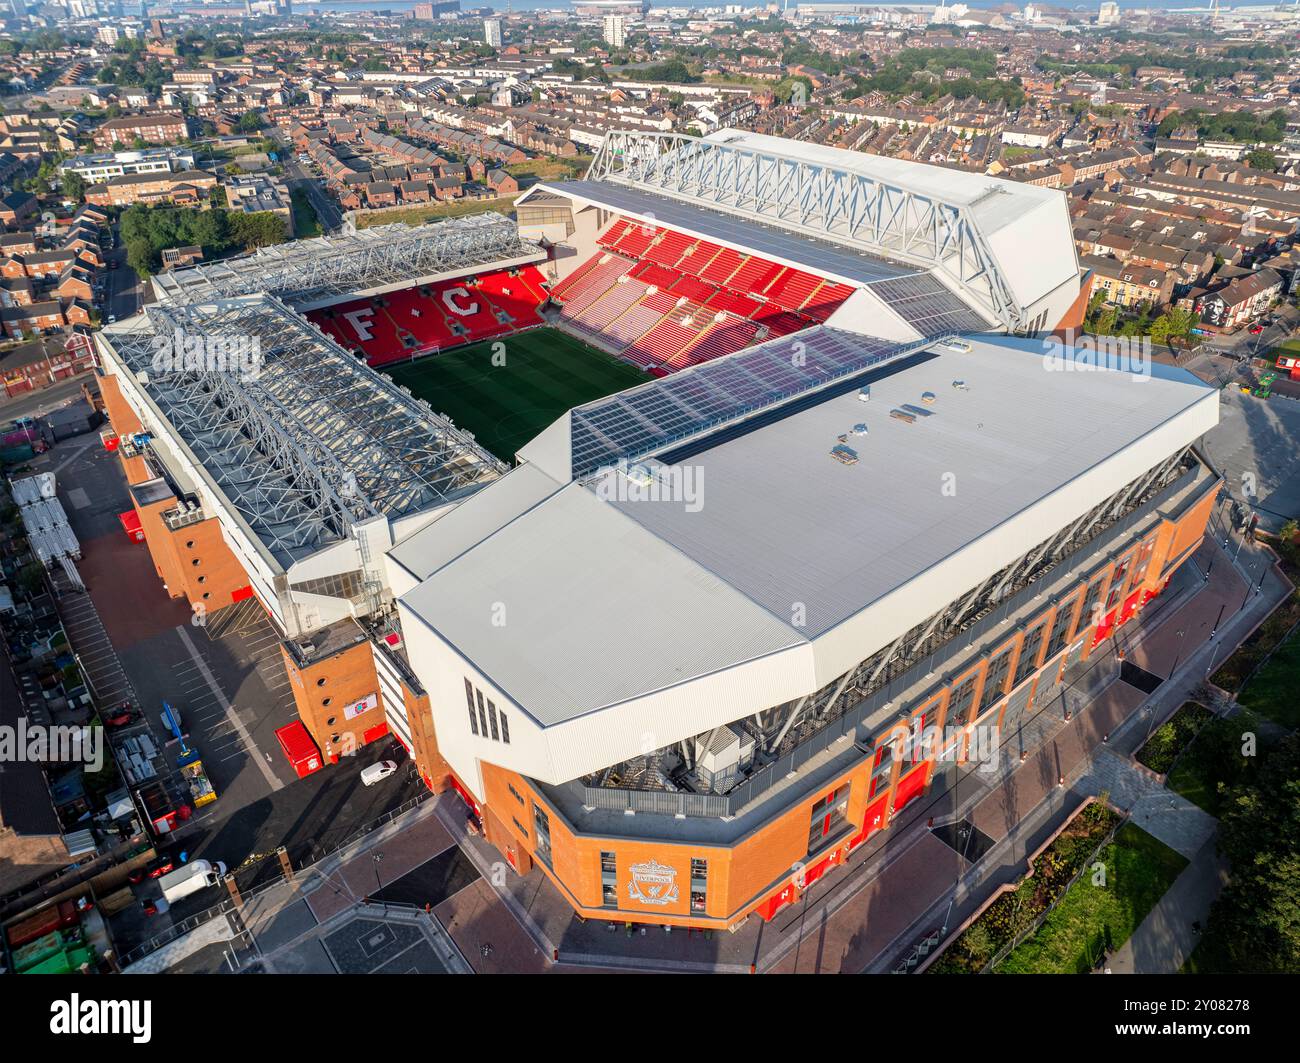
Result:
pixel 833 261
pixel 576 607
pixel 844 536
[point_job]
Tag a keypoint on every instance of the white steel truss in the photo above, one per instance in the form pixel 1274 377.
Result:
pixel 815 199
pixel 315 441
pixel 308 271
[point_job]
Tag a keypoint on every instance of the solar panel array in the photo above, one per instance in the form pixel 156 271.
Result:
pixel 635 422
pixel 925 304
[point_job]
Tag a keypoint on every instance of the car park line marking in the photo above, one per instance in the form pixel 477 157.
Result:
pixel 267 773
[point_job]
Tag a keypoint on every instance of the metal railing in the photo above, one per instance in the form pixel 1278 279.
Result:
pixel 863 710
pixel 1024 935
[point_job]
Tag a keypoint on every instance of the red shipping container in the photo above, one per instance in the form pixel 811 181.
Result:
pixel 300 749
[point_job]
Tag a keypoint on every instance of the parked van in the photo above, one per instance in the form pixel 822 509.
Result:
pixel 378 771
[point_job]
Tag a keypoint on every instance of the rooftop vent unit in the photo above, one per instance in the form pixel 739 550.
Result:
pixel 845 455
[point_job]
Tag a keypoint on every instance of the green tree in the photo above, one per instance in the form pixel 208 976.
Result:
pixel 1254 926
pixel 74 186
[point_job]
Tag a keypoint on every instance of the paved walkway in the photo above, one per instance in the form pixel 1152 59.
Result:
pixel 1166 937
pixel 1163 814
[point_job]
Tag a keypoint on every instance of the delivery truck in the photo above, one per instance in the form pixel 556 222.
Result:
pixel 190 878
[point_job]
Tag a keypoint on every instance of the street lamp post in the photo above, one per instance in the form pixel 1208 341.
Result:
pixel 377 856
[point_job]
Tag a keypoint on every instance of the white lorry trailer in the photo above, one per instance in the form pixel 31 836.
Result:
pixel 190 878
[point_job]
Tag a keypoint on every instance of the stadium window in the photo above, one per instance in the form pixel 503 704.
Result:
pixel 542 829
pixel 469 697
pixel 492 719
pixel 482 712
pixel 1092 601
pixel 321 681
pixel 519 826
pixel 326 702
pixel 882 769
pixel 1117 583
pixel 207 595
pixel 189 544
pixel 1061 627
pixel 505 728
pixel 609 880
pixel 828 815
pixel 699 884
pixel 959 704
pixel 514 793
pixel 995 683
pixel 1143 559
pixel 1028 662
pixel 195 561
pixel 203 579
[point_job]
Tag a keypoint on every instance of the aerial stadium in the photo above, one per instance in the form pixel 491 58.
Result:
pixel 653 521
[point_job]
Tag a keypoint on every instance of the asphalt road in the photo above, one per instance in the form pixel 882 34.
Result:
pixel 123 289
pixel 326 209
pixel 38 403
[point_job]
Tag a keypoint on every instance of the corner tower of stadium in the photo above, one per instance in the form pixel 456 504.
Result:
pixel 672 652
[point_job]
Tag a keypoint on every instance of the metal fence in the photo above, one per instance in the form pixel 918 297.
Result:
pixel 1029 931
pixel 228 906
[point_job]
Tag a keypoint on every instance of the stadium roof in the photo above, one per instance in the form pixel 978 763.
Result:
pixel 823 257
pixel 790 556
pixel 646 418
pixel 312 443
pixel 1007 244
pixel 309 273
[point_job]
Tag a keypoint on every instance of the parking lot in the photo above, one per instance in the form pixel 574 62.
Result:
pixel 1253 445
pixel 228 683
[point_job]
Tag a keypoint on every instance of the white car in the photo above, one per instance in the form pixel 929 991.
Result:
pixel 378 772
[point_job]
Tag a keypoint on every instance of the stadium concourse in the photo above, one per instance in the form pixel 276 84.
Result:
pixel 711 511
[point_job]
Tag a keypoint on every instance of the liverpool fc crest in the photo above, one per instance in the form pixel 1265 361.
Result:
pixel 652 883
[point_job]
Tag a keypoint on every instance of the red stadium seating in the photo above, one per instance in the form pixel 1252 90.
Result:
pixel 793 288
pixel 611 235
pixel 721 339
pixel 754 276
pixel 722 266
pixel 694 289
pixel 826 300
pixel 697 258
pixel 709 301
pixel 399 325
pixel 668 248
pixel 659 276
pixel 636 239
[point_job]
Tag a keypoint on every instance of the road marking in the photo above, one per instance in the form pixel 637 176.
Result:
pixel 235 722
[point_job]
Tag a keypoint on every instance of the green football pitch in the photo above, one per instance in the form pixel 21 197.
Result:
pixel 542 373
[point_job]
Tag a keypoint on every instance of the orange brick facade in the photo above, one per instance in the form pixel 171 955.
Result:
pixel 192 561
pixel 769 867
pixel 338 699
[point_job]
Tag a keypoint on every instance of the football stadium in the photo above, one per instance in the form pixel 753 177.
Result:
pixel 658 521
